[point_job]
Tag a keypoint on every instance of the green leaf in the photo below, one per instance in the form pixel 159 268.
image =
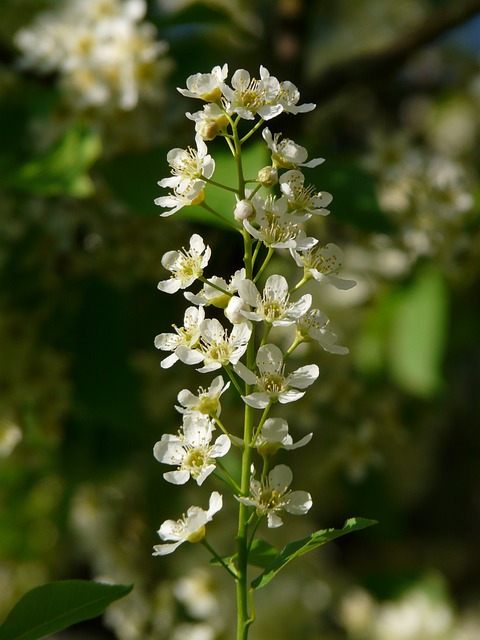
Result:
pixel 261 555
pixel 300 547
pixel 58 605
pixel 418 334
pixel 62 169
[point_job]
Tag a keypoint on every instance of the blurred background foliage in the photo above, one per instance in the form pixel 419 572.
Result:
pixel 82 395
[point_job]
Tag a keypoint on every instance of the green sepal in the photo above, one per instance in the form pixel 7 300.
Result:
pixel 55 606
pixel 300 547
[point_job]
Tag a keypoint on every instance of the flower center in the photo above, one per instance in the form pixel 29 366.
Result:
pixel 187 266
pixel 189 164
pixel 207 404
pixel 277 232
pixel 269 499
pixel 195 460
pixel 218 351
pixel 273 384
pixel 185 335
pixel 316 260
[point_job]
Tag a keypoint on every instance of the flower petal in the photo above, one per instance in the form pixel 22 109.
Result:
pixel 280 478
pixel 304 377
pixel 257 400
pixel 177 477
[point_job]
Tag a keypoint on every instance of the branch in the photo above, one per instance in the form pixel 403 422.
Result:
pixel 370 68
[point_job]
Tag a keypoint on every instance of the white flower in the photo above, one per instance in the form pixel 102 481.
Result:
pixel 103 53
pixel 210 121
pixel 313 326
pixel 210 295
pixel 216 348
pixel 194 193
pixel 188 166
pixel 289 96
pixel 195 592
pixel 271 384
pixel 190 528
pixel 191 450
pixel 303 202
pixel 286 154
pixel 273 306
pixel 323 264
pixel 274 435
pixel 275 227
pixel 250 96
pixel 10 436
pixel 186 265
pixel 186 336
pixel 272 496
pixel 194 631
pixel 206 86
pixel 207 401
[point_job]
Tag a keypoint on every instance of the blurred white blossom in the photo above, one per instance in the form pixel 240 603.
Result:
pixel 105 53
pixel 10 436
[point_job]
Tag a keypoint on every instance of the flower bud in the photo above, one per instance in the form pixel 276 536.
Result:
pixel 244 210
pixel 207 129
pixel 268 176
pixel 234 310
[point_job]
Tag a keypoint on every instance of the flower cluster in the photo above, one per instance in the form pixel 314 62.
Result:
pixel 106 55
pixel 241 341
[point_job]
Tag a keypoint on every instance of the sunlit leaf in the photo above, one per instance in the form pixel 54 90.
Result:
pixel 418 334
pixel 58 605
pixel 300 547
pixel 62 169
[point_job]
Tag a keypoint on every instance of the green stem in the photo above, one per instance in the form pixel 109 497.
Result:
pixel 230 144
pixel 243 605
pixel 233 379
pixel 259 243
pixel 218 184
pixel 252 130
pixel 215 286
pixel 297 340
pixel 265 263
pixel 265 413
pixel 205 206
pixel 242 534
pixel 221 425
pixel 265 335
pixel 231 480
pixel 218 558
pixel 299 284
pixel 257 188
pixel 252 537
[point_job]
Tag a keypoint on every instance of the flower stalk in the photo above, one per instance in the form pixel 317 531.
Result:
pixel 255 367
